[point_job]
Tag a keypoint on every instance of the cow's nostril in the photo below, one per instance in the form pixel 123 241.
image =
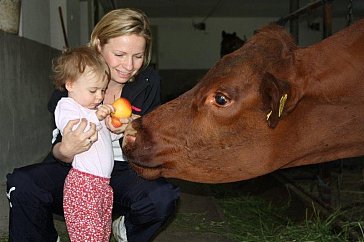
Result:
pixel 128 139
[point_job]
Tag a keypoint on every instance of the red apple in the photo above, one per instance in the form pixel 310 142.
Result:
pixel 122 108
pixel 116 122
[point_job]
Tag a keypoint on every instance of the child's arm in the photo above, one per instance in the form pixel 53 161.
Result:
pixel 67 110
pixel 64 112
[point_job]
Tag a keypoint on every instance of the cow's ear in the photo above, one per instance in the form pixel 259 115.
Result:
pixel 274 93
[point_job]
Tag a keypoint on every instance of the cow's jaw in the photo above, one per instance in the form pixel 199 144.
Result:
pixel 149 173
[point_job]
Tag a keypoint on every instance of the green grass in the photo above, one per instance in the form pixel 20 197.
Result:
pixel 3 238
pixel 252 219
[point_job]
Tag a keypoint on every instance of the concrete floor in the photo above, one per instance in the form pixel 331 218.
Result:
pixel 195 198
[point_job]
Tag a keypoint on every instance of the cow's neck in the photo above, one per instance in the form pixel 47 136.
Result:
pixel 323 133
pixel 329 118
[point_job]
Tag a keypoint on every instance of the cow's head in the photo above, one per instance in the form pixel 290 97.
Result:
pixel 231 113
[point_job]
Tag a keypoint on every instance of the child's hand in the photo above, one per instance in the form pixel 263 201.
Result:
pixel 103 111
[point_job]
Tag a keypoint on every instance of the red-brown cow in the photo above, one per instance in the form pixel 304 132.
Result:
pixel 266 106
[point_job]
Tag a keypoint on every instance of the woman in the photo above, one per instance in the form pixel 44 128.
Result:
pixel 123 38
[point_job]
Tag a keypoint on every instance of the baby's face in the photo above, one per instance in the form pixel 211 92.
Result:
pixel 89 89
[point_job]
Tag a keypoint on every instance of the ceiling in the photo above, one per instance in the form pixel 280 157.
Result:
pixel 223 8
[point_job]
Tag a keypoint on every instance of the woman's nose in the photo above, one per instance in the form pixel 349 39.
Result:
pixel 128 64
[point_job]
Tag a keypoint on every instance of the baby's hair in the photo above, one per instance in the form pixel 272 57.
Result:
pixel 71 64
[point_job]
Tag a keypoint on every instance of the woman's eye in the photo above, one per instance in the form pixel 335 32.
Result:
pixel 221 100
pixel 92 91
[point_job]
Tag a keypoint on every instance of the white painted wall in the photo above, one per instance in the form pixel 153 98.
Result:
pixel 181 46
pixel 40 21
pixel 35 24
pixel 57 39
pixel 73 23
pixel 84 24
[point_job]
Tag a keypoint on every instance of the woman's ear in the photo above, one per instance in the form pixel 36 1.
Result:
pixel 98 45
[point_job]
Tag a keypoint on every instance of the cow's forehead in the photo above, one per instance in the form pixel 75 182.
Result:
pixel 232 71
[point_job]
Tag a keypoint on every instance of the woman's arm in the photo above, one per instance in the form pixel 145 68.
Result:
pixel 74 141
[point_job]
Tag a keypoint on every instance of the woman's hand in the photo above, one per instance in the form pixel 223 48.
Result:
pixel 124 121
pixel 75 141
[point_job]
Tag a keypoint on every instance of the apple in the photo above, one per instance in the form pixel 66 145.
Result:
pixel 116 122
pixel 122 109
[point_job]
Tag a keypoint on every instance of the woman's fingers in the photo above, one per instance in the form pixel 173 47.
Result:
pixel 134 116
pixel 81 126
pixel 78 137
pixel 68 128
pixel 117 130
pixel 91 134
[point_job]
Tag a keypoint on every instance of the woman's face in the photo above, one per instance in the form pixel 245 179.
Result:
pixel 124 55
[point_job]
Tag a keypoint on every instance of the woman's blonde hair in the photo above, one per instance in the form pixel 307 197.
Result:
pixel 71 64
pixel 124 21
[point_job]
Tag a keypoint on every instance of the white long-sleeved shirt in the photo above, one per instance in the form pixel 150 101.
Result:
pixel 99 159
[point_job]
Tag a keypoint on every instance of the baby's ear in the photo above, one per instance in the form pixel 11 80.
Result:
pixel 69 85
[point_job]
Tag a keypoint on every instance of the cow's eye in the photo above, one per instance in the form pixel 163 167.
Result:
pixel 221 99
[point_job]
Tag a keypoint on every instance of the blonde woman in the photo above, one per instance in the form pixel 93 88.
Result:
pixel 123 38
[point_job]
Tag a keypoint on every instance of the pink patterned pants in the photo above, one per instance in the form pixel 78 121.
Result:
pixel 87 205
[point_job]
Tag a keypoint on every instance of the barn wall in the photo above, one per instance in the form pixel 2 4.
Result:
pixel 175 82
pixel 184 54
pixel 25 126
pixel 181 47
pixel 40 21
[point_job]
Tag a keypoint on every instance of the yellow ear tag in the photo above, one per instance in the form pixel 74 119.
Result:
pixel 282 102
pixel 268 114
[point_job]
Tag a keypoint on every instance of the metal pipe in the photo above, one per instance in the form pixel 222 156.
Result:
pixel 309 7
pixel 63 28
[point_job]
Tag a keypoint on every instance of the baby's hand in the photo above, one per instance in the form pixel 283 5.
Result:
pixel 103 111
